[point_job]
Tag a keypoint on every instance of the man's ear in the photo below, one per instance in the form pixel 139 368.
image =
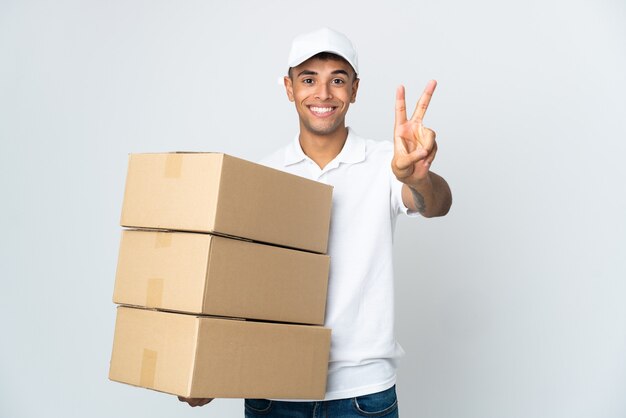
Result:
pixel 288 87
pixel 355 87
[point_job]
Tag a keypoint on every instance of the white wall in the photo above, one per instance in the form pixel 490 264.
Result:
pixel 511 306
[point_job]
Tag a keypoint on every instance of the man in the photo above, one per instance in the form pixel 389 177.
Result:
pixel 373 182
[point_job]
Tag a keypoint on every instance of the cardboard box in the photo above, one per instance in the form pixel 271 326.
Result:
pixel 213 275
pixel 217 193
pixel 206 357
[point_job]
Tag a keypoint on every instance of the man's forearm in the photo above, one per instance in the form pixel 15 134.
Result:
pixel 431 197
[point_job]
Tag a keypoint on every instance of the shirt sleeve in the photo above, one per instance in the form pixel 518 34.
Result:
pixel 395 185
pixel 397 205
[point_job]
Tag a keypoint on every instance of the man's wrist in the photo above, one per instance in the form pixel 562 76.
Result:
pixel 421 185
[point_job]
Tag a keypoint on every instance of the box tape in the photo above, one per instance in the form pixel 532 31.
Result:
pixel 173 165
pixel 163 240
pixel 148 368
pixel 154 292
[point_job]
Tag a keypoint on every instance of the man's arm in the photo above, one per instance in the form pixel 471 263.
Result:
pixel 432 198
pixel 414 151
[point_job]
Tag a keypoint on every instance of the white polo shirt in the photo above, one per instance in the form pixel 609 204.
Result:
pixel 360 307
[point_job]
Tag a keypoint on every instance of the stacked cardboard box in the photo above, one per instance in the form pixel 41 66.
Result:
pixel 222 280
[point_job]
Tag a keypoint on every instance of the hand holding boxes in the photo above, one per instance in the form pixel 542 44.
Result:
pixel 196 283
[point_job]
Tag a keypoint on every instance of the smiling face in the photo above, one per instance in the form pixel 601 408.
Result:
pixel 322 90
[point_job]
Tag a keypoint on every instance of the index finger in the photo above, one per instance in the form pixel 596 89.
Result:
pixel 422 103
pixel 400 106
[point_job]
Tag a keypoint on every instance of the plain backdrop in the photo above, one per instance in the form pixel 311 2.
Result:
pixel 512 306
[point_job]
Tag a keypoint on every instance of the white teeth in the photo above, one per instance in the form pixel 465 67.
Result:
pixel 321 109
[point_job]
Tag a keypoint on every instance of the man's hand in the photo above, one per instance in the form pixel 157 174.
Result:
pixel 414 151
pixel 195 401
pixel 414 144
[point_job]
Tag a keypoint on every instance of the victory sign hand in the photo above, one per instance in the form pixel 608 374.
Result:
pixel 414 144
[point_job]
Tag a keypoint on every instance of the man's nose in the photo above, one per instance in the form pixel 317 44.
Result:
pixel 323 92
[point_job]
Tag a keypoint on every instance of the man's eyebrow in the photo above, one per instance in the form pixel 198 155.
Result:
pixel 310 72
pixel 306 72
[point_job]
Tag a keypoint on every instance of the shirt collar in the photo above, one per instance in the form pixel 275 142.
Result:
pixel 353 151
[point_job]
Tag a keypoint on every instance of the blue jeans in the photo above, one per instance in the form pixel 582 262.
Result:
pixel 381 404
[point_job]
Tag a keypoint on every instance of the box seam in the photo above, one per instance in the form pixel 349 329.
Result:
pixel 207 275
pixel 191 382
pixel 216 212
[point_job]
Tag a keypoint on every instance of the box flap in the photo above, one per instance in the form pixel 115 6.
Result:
pixel 153 349
pixel 159 269
pixel 159 187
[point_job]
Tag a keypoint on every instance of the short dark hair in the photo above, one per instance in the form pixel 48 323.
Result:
pixel 327 56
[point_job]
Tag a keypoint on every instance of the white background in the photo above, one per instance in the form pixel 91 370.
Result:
pixel 512 306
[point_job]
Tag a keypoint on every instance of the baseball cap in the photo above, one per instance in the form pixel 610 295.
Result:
pixel 324 39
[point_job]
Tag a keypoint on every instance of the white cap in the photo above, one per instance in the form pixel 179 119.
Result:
pixel 306 45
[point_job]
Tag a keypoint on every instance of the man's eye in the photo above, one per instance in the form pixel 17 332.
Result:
pixel 307 81
pixel 338 81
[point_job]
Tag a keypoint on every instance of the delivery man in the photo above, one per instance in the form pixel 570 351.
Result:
pixel 373 181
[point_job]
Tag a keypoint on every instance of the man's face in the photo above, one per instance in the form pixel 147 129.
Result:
pixel 322 90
